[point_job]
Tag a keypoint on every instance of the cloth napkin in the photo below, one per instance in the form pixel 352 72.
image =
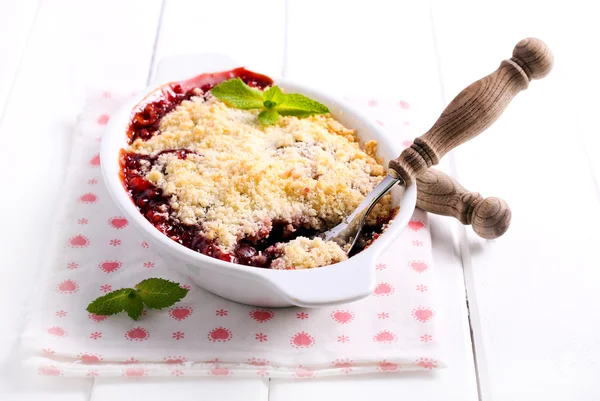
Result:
pixel 95 250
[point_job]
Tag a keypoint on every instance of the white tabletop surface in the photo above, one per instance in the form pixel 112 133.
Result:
pixel 519 315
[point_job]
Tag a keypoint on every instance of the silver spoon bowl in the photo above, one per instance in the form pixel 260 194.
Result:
pixel 348 231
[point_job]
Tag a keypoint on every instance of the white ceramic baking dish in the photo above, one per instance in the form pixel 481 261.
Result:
pixel 347 281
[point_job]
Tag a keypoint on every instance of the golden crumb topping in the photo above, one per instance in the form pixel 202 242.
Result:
pixel 304 253
pixel 243 176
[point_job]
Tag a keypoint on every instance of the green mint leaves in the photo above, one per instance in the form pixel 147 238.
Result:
pixel 300 106
pixel 268 116
pixel 275 103
pixel 237 94
pixel 273 95
pixel 155 293
pixel 116 301
pixel 158 293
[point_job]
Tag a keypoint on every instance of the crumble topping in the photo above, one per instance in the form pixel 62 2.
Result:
pixel 304 253
pixel 237 177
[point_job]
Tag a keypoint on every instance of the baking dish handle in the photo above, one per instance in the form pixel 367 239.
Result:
pixel 189 65
pixel 329 285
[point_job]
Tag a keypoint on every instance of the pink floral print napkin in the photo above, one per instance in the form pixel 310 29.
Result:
pixel 95 251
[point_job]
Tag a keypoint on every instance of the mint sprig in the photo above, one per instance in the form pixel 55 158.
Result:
pixel 155 293
pixel 273 102
pixel 268 116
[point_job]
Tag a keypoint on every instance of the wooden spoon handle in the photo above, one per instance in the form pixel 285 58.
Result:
pixel 441 194
pixel 475 108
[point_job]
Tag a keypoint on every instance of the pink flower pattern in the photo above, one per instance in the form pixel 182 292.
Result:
pixel 343 339
pixel 427 363
pixel 178 335
pixel 425 338
pixel 302 315
pixel 221 312
pixel 261 337
pixel 95 335
pixel 403 104
pixel 344 364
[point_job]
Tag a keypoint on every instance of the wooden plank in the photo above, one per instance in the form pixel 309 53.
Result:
pixel 16 19
pixel 532 292
pixel 371 49
pixel 18 384
pixel 581 81
pixel 73 45
pixel 384 49
pixel 198 388
pixel 250 32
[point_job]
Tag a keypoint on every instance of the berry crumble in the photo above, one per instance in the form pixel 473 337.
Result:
pixel 220 182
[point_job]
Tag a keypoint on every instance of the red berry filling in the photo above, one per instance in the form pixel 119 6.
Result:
pixel 145 121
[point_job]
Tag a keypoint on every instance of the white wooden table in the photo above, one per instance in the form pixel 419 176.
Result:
pixel 518 316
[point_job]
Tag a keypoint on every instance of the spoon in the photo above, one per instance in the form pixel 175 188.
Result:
pixel 470 113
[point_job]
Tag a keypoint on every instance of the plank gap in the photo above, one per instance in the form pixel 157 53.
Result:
pixel 284 68
pixel 155 45
pixel 470 295
pixel 465 256
pixel 19 63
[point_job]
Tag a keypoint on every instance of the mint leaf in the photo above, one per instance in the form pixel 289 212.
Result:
pixel 109 304
pixel 117 301
pixel 236 93
pixel 133 304
pixel 274 96
pixel 268 117
pixel 158 293
pixel 299 105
